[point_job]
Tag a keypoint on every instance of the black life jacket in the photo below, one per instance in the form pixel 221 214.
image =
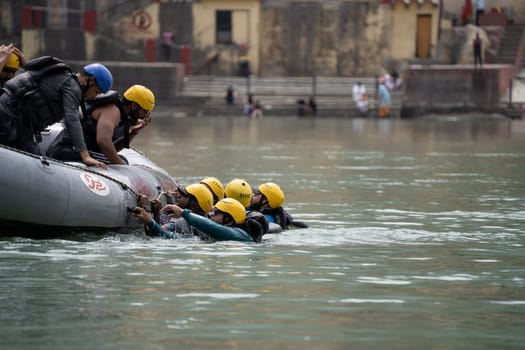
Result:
pixel 255 224
pixel 25 89
pixel 121 133
pixel 282 217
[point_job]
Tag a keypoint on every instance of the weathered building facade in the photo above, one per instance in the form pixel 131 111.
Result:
pixel 345 38
pixel 277 37
pixel 325 38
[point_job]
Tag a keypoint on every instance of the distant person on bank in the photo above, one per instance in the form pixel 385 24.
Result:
pixel 230 95
pixel 362 105
pixel 480 9
pixel 248 105
pixel 384 101
pixel 357 91
pixel 168 44
pixel 312 106
pixel 257 110
pixel 477 49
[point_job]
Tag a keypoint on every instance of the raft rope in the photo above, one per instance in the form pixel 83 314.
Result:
pixel 46 161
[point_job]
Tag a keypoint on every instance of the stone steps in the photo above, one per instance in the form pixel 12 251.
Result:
pixel 279 96
pixel 216 86
pixel 508 47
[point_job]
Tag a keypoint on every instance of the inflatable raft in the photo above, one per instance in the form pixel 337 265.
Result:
pixel 46 195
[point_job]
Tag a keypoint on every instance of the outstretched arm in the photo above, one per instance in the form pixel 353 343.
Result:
pixel 152 225
pixel 216 231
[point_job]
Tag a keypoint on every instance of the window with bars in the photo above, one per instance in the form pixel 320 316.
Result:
pixel 223 27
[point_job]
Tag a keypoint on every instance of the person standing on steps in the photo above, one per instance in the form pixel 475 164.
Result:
pixel 357 91
pixel 230 95
pixel 312 106
pixel 480 9
pixel 477 49
pixel 384 100
pixel 168 44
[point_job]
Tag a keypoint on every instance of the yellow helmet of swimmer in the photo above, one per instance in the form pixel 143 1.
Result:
pixel 142 96
pixel 13 62
pixel 273 194
pixel 232 207
pixel 203 196
pixel 240 190
pixel 215 186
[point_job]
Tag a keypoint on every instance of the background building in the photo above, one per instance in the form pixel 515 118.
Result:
pixel 264 38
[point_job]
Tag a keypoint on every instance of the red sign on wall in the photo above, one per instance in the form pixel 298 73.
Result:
pixel 90 21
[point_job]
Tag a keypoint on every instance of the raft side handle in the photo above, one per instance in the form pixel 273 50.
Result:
pixel 44 160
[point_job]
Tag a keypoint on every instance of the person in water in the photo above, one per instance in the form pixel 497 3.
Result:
pixel 268 199
pixel 226 222
pixel 240 190
pixel 45 93
pixel 195 197
pixel 112 123
pixel 215 186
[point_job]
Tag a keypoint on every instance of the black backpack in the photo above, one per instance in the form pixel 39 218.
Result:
pixel 41 66
pixel 32 106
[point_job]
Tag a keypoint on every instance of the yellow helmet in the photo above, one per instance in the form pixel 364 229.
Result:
pixel 232 207
pixel 13 62
pixel 273 194
pixel 202 195
pixel 141 95
pixel 215 186
pixel 240 190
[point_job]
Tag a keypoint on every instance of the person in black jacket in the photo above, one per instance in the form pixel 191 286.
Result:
pixel 45 93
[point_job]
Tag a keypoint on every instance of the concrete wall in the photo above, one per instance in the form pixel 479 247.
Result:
pixel 452 87
pixel 344 38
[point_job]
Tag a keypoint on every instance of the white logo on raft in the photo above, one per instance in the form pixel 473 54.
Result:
pixel 95 184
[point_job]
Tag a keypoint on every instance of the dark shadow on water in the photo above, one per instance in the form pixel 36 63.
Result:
pixel 78 234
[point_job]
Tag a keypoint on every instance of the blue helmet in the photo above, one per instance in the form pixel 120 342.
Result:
pixel 102 75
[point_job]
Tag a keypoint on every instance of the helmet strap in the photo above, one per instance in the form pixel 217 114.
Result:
pixel 134 115
pixel 193 205
pixel 260 203
pixel 227 220
pixel 88 83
